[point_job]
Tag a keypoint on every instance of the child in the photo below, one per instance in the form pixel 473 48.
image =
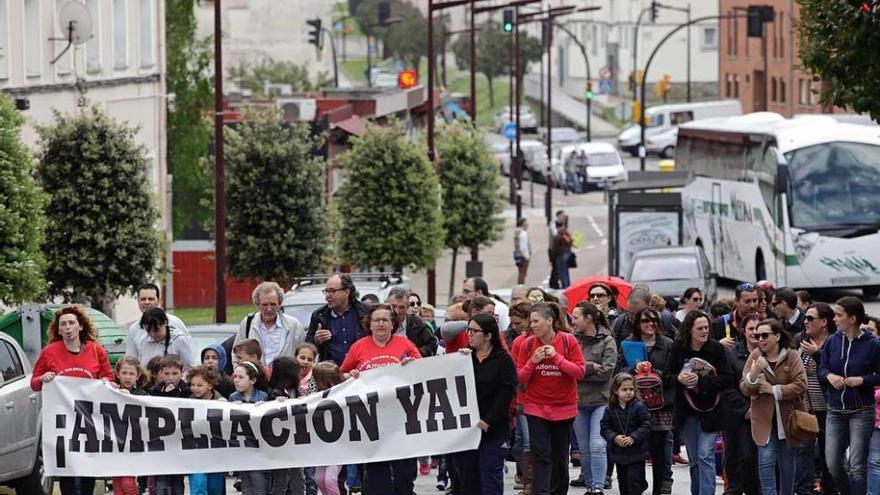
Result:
pixel 131 379
pixel 284 385
pixel 203 382
pixel 171 384
pixel 248 350
pixel 214 357
pixel 626 427
pixel 306 354
pixel 153 370
pixel 250 388
pixel 326 374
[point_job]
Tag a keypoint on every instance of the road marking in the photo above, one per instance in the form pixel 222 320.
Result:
pixel 604 242
pixel 595 226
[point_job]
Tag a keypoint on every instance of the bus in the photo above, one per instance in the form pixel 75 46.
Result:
pixel 793 201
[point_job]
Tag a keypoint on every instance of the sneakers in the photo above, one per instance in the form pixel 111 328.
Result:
pixel 441 486
pixel 354 489
pixel 578 482
pixel 679 459
pixel 424 468
pixel 576 459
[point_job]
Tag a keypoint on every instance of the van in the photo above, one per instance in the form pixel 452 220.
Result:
pixel 663 119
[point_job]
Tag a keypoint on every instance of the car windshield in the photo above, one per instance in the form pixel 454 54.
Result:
pixel 602 159
pixel 654 120
pixel 302 312
pixel 835 186
pixel 675 267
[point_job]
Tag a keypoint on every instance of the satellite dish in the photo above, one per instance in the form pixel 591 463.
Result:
pixel 75 22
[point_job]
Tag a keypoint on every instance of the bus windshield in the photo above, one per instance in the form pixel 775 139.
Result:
pixel 835 186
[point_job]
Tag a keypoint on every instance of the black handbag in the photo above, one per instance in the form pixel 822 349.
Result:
pixel 572 261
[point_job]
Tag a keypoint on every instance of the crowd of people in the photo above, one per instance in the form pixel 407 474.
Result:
pixel 782 386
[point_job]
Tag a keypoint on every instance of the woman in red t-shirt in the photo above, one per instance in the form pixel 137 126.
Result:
pixel 551 364
pixel 380 348
pixel 73 350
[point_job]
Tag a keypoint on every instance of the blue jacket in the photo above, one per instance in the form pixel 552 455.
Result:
pixel 258 396
pixel 633 421
pixel 844 357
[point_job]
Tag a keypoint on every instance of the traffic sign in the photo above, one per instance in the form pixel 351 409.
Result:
pixel 605 86
pixel 509 131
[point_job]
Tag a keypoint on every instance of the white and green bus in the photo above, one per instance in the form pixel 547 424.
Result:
pixel 793 201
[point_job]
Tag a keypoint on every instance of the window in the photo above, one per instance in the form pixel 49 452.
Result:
pixel 783 88
pixel 10 364
pixel 709 38
pixel 120 35
pixel 736 36
pixel 595 40
pixel 773 89
pixel 93 46
pixel 146 28
pixel 728 85
pixel 33 53
pixel 4 40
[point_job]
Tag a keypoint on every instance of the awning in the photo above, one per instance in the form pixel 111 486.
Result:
pixel 353 125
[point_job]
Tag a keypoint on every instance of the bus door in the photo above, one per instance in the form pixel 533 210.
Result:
pixel 717 229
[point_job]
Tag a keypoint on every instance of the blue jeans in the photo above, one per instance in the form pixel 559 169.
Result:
pixel 591 445
pixel 874 463
pixel 562 268
pixel 207 483
pixel 521 442
pixel 776 452
pixel 481 471
pixel 670 441
pixel 852 430
pixel 700 447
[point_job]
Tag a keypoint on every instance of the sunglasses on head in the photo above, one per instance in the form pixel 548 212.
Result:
pixel 746 286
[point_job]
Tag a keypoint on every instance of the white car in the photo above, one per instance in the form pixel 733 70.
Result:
pixel 21 458
pixel 527 119
pixel 535 155
pixel 604 164
pixel 662 143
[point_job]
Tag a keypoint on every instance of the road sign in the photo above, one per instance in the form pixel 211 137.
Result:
pixel 509 131
pixel 605 72
pixel 605 86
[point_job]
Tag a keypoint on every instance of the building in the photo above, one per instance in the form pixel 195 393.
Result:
pixel 770 82
pixel 120 69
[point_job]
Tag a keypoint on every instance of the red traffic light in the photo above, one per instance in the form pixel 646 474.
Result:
pixel 407 79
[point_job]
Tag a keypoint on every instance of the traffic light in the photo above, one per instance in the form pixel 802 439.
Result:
pixel 384 13
pixel 589 94
pixel 507 25
pixel 655 7
pixel 315 37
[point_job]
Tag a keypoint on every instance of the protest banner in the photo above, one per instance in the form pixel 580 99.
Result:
pixel 427 407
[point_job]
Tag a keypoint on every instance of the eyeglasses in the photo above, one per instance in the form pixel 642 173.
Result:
pixel 330 291
pixel 646 320
pixel 746 287
pixel 474 330
pixel 597 295
pixel 380 320
pixel 697 299
pixel 536 298
pixel 763 336
pixel 810 318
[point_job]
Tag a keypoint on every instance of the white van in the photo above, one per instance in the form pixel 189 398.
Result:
pixel 662 119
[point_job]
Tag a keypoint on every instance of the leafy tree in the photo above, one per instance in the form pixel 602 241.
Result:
pixel 469 180
pixel 101 239
pixel 389 202
pixel 493 58
pixel 840 44
pixel 188 128
pixel 258 77
pixel 21 217
pixel 276 220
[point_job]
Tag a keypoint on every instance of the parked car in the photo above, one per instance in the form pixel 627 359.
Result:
pixel 527 119
pixel 604 163
pixel 662 143
pixel 535 155
pixel 562 136
pixel 662 118
pixel 21 458
pixel 212 333
pixel 669 271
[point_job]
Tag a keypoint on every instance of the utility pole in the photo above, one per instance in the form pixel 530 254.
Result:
pixel 219 176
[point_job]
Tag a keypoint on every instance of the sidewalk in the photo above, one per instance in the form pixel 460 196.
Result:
pixel 572 109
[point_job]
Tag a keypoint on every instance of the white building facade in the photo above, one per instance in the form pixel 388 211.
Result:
pixel 120 69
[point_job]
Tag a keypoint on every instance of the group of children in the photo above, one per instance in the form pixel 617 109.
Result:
pixel 250 383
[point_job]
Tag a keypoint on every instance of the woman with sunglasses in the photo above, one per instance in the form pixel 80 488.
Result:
pixel 849 364
pixel 481 470
pixel 819 325
pixel 600 353
pixel 774 379
pixel 73 350
pixel 603 297
pixel 415 305
pixel 691 300
pixel 700 371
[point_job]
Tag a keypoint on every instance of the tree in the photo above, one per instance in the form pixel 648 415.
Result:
pixel 407 40
pixel 469 180
pixel 21 217
pixel 493 57
pixel 258 77
pixel 276 220
pixel 101 238
pixel 389 202
pixel 840 44
pixel 189 128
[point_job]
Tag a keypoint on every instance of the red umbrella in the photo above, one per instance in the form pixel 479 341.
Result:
pixel 578 291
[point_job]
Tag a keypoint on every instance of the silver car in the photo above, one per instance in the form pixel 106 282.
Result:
pixel 669 271
pixel 21 459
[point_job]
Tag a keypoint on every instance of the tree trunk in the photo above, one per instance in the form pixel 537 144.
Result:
pixel 491 92
pixel 452 272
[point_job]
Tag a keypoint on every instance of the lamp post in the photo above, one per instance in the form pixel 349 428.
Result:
pixel 219 176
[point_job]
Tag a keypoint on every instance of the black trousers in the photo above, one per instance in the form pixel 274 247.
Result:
pixel 390 477
pixel 657 448
pixel 549 442
pixel 631 478
pixel 740 459
pixel 69 485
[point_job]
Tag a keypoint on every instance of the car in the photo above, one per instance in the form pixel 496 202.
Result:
pixel 562 136
pixel 501 155
pixel 527 119
pixel 604 163
pixel 306 295
pixel 659 119
pixel 668 271
pixel 535 155
pixel 212 333
pixel 21 455
pixel 662 143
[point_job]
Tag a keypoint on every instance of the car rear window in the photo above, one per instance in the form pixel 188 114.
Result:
pixel 665 268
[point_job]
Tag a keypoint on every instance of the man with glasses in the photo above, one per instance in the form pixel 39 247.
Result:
pixel 476 286
pixel 727 328
pixel 161 339
pixel 336 325
pixel 411 326
pixel 277 333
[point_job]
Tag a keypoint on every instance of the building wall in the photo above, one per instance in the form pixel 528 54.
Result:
pixel 788 90
pixel 194 277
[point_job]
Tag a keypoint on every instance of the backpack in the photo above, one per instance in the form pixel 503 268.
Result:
pixel 649 386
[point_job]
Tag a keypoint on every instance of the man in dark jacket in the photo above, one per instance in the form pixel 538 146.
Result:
pixel 784 304
pixel 740 452
pixel 413 327
pixel 335 326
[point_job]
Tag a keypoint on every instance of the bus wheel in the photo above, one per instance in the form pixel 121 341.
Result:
pixel 760 267
pixel 871 291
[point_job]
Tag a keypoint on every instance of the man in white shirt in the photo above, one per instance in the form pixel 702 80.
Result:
pixel 476 286
pixel 277 333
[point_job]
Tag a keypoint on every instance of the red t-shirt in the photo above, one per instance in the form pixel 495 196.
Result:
pixel 516 353
pixel 90 362
pixel 459 342
pixel 366 355
pixel 551 385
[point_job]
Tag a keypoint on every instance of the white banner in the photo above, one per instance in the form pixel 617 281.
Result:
pixel 427 407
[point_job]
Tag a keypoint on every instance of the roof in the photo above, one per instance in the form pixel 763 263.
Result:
pixel 353 125
pixel 668 251
pixel 674 107
pixel 790 134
